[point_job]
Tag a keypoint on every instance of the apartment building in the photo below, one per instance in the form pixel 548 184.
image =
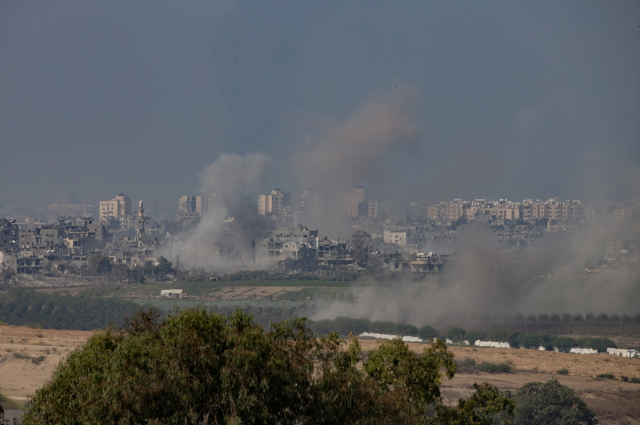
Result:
pixel 271 204
pixel 115 208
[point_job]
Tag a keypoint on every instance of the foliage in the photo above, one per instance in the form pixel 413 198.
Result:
pixel 600 344
pixel 474 336
pixel 495 367
pixel 456 335
pixel 99 263
pixel 22 307
pixel 564 371
pixel 564 344
pixel 201 368
pixel 603 376
pixel 427 333
pixel 500 335
pixel 550 403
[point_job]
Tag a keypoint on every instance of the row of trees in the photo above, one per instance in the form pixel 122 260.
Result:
pixel 200 368
pixel 22 307
pixel 346 325
pixel 101 265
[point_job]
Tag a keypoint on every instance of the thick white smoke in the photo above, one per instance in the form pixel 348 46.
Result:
pixel 227 180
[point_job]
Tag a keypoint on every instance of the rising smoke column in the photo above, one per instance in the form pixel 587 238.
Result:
pixel 229 178
pixel 349 153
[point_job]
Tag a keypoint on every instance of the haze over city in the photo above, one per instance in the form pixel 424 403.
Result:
pixel 430 183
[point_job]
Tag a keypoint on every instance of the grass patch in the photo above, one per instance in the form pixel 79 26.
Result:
pixel 564 371
pixel 495 367
pixel 634 380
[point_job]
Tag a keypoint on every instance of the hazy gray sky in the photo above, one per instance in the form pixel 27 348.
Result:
pixel 516 99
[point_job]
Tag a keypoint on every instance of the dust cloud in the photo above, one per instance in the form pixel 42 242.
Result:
pixel 484 279
pixel 225 183
pixel 348 153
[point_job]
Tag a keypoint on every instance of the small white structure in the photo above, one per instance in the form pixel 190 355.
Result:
pixel 583 351
pixel 171 293
pixel 387 336
pixel 493 344
pixel 622 352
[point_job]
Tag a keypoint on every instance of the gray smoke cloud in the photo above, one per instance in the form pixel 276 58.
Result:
pixel 348 153
pixel 232 176
pixel 485 279
pixel 229 178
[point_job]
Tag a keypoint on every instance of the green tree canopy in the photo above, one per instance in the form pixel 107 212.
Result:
pixel 428 333
pixel 456 334
pixel 99 263
pixel 550 404
pixel 201 368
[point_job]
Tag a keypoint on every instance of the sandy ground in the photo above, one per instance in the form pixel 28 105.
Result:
pixel 614 401
pixel 29 356
pixel 28 362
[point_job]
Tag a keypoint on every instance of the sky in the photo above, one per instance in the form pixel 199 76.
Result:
pixel 512 99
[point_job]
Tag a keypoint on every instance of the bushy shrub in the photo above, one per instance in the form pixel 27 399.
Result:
pixel 600 344
pixel 563 371
pixel 427 333
pixel 578 318
pixel 555 318
pixel 530 340
pixel 514 340
pixel 566 318
pixel 495 367
pixel 564 344
pixel 551 404
pixel 543 319
pixel 604 376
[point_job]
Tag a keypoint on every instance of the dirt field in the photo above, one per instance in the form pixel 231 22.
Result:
pixel 251 292
pixel 614 401
pixel 29 356
pixel 28 362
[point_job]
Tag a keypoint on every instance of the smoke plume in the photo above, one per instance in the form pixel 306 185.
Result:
pixel 484 279
pixel 349 153
pixel 225 182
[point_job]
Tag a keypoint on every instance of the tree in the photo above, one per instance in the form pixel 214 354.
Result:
pixel 200 368
pixel 164 265
pixel 427 333
pixel 456 335
pixel 550 403
pixel 99 263
pixel 360 241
